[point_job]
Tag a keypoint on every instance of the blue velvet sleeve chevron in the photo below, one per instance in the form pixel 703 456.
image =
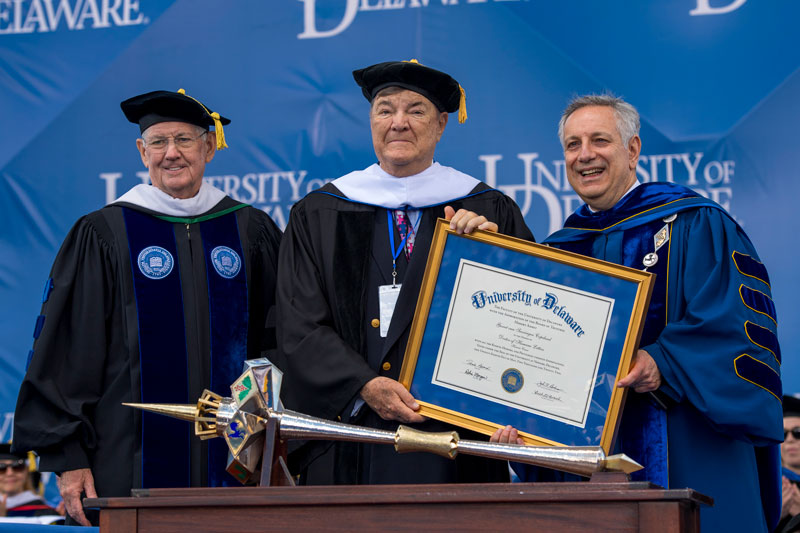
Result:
pixel 719 349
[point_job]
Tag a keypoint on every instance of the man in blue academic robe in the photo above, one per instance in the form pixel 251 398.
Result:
pixel 705 407
pixel 153 298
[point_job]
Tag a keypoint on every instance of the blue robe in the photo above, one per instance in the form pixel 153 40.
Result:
pixel 715 423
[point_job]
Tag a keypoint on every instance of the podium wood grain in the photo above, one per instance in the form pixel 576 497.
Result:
pixel 564 507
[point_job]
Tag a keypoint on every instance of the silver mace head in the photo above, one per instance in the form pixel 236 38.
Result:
pixel 215 416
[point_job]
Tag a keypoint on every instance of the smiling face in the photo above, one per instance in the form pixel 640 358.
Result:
pixel 600 168
pixel 790 449
pixel 12 480
pixel 177 171
pixel 405 129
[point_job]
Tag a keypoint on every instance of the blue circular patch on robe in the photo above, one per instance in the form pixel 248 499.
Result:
pixel 155 262
pixel 512 380
pixel 226 261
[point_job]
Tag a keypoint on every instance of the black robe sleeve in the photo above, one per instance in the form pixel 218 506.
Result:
pixel 65 379
pixel 263 238
pixel 324 371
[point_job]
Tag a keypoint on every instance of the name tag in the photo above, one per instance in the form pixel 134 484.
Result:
pixel 387 299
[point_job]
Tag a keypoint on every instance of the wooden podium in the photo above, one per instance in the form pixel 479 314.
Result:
pixel 595 506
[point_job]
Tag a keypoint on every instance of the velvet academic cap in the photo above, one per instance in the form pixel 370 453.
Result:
pixel 791 406
pixel 440 88
pixel 5 453
pixel 166 106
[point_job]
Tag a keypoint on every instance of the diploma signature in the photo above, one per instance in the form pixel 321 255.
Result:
pixel 548 396
pixel 477 371
pixel 548 386
pixel 478 366
pixel 477 376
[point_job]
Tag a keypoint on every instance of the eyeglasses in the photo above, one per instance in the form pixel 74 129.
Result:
pixel 795 431
pixel 182 142
pixel 17 466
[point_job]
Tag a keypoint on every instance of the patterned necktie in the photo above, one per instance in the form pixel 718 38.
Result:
pixel 405 228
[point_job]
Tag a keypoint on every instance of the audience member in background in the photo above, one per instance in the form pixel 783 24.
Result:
pixel 17 498
pixel 790 458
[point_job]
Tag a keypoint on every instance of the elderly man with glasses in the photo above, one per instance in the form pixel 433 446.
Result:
pixel 153 298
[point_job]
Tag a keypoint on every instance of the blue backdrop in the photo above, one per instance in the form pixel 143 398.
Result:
pixel 716 82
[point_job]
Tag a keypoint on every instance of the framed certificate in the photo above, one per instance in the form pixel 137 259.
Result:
pixel 507 332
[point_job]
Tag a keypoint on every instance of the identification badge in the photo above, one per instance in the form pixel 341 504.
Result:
pixel 387 299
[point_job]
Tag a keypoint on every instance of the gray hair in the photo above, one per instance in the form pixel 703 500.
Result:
pixel 626 115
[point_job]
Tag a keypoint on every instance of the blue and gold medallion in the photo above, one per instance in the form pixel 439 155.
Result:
pixel 512 380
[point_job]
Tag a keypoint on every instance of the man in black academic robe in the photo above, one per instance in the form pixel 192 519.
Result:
pixel 347 240
pixel 154 298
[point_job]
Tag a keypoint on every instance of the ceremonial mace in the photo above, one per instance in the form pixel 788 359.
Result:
pixel 253 423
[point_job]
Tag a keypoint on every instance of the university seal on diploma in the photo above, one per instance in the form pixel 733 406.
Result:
pixel 512 380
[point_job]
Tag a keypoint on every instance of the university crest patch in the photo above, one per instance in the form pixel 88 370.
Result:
pixel 226 262
pixel 155 262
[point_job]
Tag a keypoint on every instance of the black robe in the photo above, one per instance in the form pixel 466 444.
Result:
pixel 334 255
pixel 108 334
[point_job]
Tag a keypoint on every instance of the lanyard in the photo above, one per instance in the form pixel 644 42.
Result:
pixel 396 252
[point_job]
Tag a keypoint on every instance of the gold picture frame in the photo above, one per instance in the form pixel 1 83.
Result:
pixel 455 354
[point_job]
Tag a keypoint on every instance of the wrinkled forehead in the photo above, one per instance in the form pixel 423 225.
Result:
pixel 395 95
pixel 172 128
pixel 591 120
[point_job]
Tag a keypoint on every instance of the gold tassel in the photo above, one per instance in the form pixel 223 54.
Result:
pixel 32 468
pixel 462 106
pixel 220 133
pixel 412 61
pixel 221 144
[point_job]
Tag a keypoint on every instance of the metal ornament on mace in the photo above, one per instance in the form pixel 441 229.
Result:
pixel 242 420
